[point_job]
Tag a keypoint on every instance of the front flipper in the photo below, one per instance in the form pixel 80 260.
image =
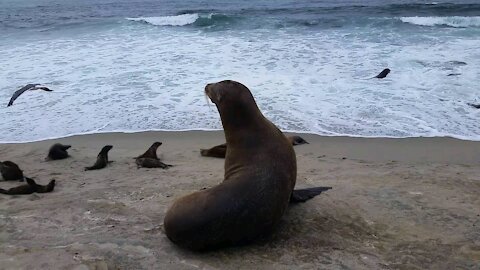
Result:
pixel 303 195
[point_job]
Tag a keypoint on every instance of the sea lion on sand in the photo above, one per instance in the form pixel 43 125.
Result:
pixel 102 159
pixel 260 173
pixel 151 163
pixel 58 151
pixel 29 188
pixel 219 151
pixel 383 74
pixel 10 171
pixel 296 140
pixel 151 152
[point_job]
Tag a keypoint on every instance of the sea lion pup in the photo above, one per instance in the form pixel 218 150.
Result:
pixel 10 171
pixel 383 74
pixel 151 152
pixel 297 140
pixel 219 151
pixel 29 188
pixel 260 173
pixel 102 159
pixel 58 151
pixel 151 163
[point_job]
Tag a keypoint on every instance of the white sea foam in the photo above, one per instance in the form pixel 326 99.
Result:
pixel 153 78
pixel 179 20
pixel 452 21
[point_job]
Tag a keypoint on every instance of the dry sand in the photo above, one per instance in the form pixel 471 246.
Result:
pixel 395 204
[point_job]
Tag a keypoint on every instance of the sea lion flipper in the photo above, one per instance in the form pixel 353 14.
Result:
pixel 3 191
pixel 303 195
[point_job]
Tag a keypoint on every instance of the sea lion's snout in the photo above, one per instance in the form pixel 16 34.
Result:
pixel 212 93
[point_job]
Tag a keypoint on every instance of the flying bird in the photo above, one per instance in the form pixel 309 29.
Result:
pixel 30 86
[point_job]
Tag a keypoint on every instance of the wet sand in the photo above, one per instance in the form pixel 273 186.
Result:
pixel 395 204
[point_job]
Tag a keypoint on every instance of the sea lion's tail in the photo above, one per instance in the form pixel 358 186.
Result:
pixel 3 191
pixel 303 195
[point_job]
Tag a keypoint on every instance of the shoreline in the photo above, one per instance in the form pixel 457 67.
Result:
pixel 461 138
pixel 414 149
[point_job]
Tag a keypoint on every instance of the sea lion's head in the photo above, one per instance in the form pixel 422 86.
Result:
pixel 106 148
pixel 156 144
pixel 228 92
pixel 235 103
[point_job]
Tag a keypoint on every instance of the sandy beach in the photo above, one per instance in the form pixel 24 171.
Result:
pixel 395 204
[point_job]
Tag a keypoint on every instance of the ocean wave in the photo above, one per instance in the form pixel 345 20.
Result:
pixel 195 19
pixel 178 20
pixel 452 21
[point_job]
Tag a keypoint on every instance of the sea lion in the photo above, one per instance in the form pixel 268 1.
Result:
pixel 28 87
pixel 296 140
pixel 151 163
pixel 10 171
pixel 102 159
pixel 260 173
pixel 151 152
pixel 58 151
pixel 29 188
pixel 383 74
pixel 476 106
pixel 219 151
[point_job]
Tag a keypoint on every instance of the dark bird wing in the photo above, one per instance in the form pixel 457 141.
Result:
pixel 20 91
pixel 43 88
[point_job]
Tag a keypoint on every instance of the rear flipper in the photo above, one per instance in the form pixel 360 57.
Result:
pixel 303 195
pixel 3 191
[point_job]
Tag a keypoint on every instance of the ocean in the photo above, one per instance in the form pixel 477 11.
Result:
pixel 118 65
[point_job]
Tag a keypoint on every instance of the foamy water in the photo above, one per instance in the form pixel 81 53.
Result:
pixel 149 72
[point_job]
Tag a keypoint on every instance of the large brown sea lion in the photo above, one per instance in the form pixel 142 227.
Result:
pixel 58 151
pixel 219 151
pixel 10 171
pixel 260 173
pixel 102 159
pixel 29 188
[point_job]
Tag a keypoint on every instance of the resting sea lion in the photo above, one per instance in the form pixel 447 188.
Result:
pixel 219 151
pixel 260 173
pixel 58 151
pixel 383 74
pixel 102 159
pixel 296 140
pixel 29 188
pixel 151 152
pixel 151 163
pixel 10 171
